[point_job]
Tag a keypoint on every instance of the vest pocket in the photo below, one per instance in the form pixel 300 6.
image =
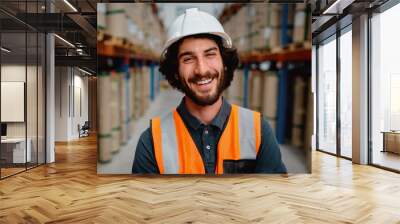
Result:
pixel 240 166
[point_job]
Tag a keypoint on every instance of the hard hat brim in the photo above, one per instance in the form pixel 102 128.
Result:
pixel 226 40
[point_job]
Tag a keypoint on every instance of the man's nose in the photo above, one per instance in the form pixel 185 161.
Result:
pixel 201 66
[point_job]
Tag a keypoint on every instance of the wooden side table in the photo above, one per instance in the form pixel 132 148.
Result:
pixel 391 141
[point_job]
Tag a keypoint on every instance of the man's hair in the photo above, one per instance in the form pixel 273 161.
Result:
pixel 169 64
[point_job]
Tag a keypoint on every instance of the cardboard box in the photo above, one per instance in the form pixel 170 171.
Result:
pixel 146 89
pixel 138 92
pixel 255 91
pixel 270 95
pixel 123 110
pixel 116 20
pixel 104 131
pixel 299 101
pixel 101 16
pixel 299 27
pixel 297 136
pixel 131 101
pixel 271 37
pixel 235 90
pixel 134 11
pixel 275 17
pixel 243 43
pixel 114 105
pixel 276 6
pixel 301 6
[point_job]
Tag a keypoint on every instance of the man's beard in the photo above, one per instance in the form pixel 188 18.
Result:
pixel 209 99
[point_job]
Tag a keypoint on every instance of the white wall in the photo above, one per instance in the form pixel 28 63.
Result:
pixel 68 83
pixel 13 72
pixel 62 81
pixel 33 126
pixel 16 73
pixel 82 82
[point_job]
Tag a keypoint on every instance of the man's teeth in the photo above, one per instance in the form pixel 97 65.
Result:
pixel 205 81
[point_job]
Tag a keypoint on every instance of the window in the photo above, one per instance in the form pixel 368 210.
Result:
pixel 22 76
pixel 346 93
pixel 385 89
pixel 327 96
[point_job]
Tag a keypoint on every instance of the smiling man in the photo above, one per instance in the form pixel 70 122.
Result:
pixel 204 134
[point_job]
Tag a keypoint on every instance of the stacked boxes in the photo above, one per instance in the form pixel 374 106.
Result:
pixel 145 90
pixel 132 101
pixel 265 24
pixel 255 91
pixel 117 21
pixel 270 97
pixel 236 27
pixel 263 92
pixel 104 131
pixel 126 21
pixel 256 30
pixel 138 89
pixel 255 26
pixel 101 16
pixel 124 108
pixel 114 104
pixel 123 98
pixel 150 32
pixel 301 24
pixel 299 112
pixel 259 26
pixel 234 94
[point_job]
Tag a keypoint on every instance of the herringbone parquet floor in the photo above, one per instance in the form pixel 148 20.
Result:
pixel 70 191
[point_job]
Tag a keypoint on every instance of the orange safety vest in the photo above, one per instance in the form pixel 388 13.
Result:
pixel 176 152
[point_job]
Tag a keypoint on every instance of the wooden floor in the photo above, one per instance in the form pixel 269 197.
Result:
pixel 70 191
pixel 387 159
pixel 10 171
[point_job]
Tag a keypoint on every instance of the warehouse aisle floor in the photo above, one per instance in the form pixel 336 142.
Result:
pixel 122 161
pixel 70 191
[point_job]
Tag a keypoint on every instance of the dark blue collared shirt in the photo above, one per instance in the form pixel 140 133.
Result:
pixel 206 138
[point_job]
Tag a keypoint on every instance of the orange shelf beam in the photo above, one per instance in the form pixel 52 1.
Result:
pixel 292 55
pixel 110 50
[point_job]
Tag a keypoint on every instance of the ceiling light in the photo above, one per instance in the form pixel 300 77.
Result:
pixel 70 5
pixel 84 71
pixel 65 41
pixel 5 49
pixel 337 7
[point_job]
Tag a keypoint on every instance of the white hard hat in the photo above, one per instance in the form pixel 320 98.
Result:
pixel 192 22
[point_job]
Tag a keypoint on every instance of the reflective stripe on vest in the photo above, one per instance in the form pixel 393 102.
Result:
pixel 176 152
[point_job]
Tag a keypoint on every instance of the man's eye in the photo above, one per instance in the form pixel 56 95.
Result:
pixel 187 59
pixel 210 55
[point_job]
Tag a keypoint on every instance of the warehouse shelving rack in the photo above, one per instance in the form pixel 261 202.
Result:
pixel 283 59
pixel 112 55
pixel 288 53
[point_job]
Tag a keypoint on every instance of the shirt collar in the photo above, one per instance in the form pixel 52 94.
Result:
pixel 218 121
